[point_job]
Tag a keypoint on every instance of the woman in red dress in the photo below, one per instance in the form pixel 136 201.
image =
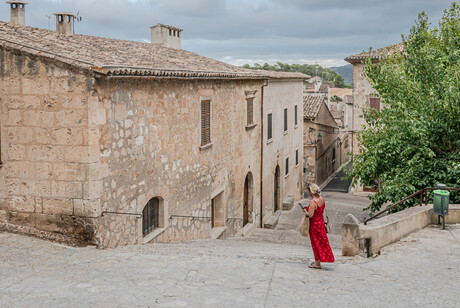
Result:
pixel 319 242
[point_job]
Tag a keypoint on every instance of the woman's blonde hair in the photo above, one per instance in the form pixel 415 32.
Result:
pixel 314 189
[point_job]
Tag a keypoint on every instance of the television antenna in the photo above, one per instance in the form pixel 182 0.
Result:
pixel 76 18
pixel 49 22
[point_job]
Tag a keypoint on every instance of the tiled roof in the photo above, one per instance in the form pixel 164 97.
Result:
pixel 128 58
pixel 375 54
pixel 312 105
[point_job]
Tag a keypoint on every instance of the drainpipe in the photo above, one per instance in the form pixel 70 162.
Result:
pixel 262 151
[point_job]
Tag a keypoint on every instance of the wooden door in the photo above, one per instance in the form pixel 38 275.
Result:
pixel 246 203
pixel 276 195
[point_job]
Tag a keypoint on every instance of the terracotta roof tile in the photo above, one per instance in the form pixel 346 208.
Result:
pixel 120 57
pixel 312 105
pixel 376 54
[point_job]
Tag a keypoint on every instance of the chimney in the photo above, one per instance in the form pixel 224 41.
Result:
pixel 18 12
pixel 64 22
pixel 166 35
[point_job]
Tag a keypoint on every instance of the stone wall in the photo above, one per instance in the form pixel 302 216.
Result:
pixel 151 146
pixel 47 147
pixel 279 95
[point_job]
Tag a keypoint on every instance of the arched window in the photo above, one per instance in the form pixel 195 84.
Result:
pixel 150 216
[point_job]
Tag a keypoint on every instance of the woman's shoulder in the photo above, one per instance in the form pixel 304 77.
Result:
pixel 320 201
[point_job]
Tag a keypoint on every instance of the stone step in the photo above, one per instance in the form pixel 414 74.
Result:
pixel 273 221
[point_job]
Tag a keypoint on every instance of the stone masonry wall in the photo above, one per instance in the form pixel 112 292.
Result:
pixel 280 95
pixel 151 147
pixel 49 152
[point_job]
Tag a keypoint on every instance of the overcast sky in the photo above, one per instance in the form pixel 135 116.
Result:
pixel 248 31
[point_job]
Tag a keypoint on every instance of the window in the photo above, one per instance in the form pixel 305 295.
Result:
pixel 250 106
pixel 60 18
pixel 205 122
pixel 269 126
pixel 375 103
pixel 150 216
pixel 287 167
pixel 285 120
pixel 295 115
pixel 296 157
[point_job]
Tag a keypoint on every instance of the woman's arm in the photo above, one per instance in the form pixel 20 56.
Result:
pixel 311 209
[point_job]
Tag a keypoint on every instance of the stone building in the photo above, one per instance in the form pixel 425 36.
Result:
pixel 282 145
pixel 119 142
pixel 324 151
pixel 364 96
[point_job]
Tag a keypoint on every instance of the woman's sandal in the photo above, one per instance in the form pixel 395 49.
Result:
pixel 312 265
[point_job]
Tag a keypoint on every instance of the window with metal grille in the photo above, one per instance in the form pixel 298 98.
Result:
pixel 287 166
pixel 296 157
pixel 150 216
pixel 205 122
pixel 269 126
pixel 375 103
pixel 250 106
pixel 295 115
pixel 285 120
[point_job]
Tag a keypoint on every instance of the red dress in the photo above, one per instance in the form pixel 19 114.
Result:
pixel 319 242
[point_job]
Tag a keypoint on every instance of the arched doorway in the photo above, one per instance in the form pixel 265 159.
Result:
pixel 247 203
pixel 276 196
pixel 151 216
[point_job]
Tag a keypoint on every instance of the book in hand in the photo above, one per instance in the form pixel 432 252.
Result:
pixel 303 207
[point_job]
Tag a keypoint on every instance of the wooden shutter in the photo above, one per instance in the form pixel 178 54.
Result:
pixel 375 103
pixel 205 122
pixel 269 126
pixel 250 108
pixel 285 120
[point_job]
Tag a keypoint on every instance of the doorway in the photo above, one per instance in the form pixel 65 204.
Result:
pixel 247 200
pixel 276 196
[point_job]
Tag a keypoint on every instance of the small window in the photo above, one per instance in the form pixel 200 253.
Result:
pixel 21 5
pixel 150 216
pixel 375 103
pixel 295 115
pixel 170 32
pixel 250 113
pixel 68 18
pixel 269 126
pixel 296 157
pixel 205 122
pixel 14 5
pixel 60 18
pixel 285 120
pixel 287 166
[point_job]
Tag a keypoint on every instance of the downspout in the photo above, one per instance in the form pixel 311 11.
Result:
pixel 262 150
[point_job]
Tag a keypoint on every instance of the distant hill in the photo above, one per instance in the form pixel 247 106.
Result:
pixel 346 71
pixel 328 75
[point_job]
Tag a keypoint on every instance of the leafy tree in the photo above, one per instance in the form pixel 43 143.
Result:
pixel 328 75
pixel 335 98
pixel 414 142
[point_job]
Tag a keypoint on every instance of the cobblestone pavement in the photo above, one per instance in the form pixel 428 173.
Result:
pixel 419 271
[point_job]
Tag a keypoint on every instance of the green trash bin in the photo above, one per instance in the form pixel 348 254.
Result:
pixel 441 205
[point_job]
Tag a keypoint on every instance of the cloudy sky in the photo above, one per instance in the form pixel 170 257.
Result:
pixel 248 31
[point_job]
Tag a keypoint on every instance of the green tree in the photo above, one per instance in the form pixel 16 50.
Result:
pixel 414 142
pixel 335 98
pixel 328 75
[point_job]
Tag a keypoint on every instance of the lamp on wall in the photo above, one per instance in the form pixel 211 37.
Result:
pixel 319 137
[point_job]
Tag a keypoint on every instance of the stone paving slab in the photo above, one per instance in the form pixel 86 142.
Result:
pixel 229 273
